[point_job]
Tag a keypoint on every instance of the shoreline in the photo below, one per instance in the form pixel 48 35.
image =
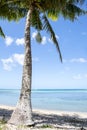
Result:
pixel 46 111
pixel 59 112
pixel 50 118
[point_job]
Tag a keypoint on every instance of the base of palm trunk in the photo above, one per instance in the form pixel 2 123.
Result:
pixel 13 127
pixel 21 123
pixel 21 117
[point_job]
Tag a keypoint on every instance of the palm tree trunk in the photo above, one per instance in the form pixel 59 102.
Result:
pixel 22 115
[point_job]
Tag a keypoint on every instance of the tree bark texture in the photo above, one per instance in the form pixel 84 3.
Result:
pixel 22 115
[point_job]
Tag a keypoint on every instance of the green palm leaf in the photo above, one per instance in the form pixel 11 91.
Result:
pixel 10 11
pixel 71 12
pixel 1 33
pixel 48 28
pixel 36 20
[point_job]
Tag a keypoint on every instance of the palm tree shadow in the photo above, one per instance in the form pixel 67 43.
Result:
pixel 57 120
pixel 5 114
pixel 50 119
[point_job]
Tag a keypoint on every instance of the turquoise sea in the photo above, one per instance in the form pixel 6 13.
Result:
pixel 51 99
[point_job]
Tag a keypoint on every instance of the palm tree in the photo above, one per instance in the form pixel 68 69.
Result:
pixel 38 12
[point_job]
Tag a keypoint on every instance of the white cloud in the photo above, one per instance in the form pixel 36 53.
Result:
pixel 20 41
pixel 57 36
pixel 7 63
pixel 75 60
pixel 44 40
pixel 81 60
pixel 50 40
pixel 77 77
pixel 34 35
pixel 18 58
pixel 8 40
pixel 15 59
pixel 80 76
pixel 11 62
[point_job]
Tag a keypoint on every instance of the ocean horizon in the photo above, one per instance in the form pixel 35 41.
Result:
pixel 49 99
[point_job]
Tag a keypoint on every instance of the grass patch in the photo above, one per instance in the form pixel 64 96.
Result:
pixel 46 126
pixel 2 122
pixel 1 127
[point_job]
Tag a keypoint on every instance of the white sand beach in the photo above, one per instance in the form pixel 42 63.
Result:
pixel 51 119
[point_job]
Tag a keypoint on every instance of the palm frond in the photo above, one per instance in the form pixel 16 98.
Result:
pixel 71 12
pixel 48 28
pixel 69 9
pixel 77 1
pixel 2 33
pixel 11 11
pixel 36 20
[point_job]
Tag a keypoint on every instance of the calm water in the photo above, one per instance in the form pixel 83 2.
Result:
pixel 55 99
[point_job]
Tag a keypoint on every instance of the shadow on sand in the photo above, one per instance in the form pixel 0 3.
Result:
pixel 63 121
pixel 56 121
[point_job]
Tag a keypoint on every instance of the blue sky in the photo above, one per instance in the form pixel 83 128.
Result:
pixel 48 71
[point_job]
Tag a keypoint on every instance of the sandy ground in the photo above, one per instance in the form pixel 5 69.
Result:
pixel 55 120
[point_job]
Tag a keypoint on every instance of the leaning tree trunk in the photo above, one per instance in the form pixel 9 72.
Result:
pixel 22 115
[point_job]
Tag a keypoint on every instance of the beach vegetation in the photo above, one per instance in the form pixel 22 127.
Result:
pixel 2 124
pixel 46 126
pixel 37 13
pixel 3 121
